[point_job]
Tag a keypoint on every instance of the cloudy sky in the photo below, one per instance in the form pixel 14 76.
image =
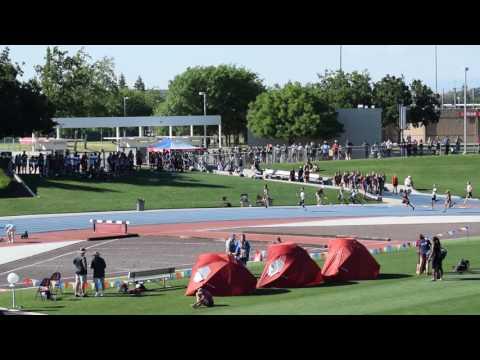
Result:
pixel 278 64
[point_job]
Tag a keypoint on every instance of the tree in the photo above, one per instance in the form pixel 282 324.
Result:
pixel 388 94
pixel 291 112
pixel 23 107
pixel 346 90
pixel 77 86
pixel 139 85
pixel 425 105
pixel 229 91
pixel 122 84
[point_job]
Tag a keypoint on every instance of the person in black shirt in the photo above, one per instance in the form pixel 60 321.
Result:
pixel 80 263
pixel 98 265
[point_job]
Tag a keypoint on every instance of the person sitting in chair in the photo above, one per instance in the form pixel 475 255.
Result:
pixel 204 298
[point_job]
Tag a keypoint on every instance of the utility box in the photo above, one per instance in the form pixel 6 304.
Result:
pixel 140 204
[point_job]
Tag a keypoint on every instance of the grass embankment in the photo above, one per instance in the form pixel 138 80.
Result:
pixel 397 291
pixel 160 191
pixel 447 172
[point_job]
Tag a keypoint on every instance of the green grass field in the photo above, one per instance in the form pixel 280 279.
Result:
pixel 4 180
pixel 160 191
pixel 397 291
pixel 447 172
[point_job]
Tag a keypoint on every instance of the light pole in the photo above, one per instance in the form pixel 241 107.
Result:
pixel 204 94
pixel 125 98
pixel 465 114
pixel 340 57
pixel 436 71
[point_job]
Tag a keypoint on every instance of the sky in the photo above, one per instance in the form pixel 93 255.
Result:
pixel 158 64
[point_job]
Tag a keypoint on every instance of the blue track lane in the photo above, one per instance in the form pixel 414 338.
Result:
pixel 57 222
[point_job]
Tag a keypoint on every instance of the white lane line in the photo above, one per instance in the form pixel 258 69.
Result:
pixel 382 220
pixel 56 257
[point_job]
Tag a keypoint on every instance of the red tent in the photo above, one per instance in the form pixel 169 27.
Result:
pixel 289 266
pixel 222 275
pixel 348 259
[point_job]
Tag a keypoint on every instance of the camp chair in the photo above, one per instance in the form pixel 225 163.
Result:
pixel 44 283
pixel 55 282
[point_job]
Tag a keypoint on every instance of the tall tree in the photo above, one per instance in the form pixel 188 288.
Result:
pixel 346 90
pixel 229 91
pixel 23 107
pixel 79 86
pixel 122 84
pixel 388 94
pixel 425 105
pixel 139 85
pixel 291 112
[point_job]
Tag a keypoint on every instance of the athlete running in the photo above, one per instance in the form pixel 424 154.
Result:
pixel 302 198
pixel 469 193
pixel 448 201
pixel 434 195
pixel 406 200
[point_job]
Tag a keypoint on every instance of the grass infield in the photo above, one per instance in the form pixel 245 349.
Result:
pixel 397 291
pixel 160 191
pixel 447 172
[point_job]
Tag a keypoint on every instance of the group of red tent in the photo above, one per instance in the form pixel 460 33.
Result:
pixel 287 266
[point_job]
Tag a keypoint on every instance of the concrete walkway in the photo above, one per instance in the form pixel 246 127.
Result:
pixel 13 252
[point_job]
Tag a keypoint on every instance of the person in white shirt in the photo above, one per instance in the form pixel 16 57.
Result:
pixel 302 198
pixel 10 230
pixel 408 184
pixel 469 192
pixel 434 195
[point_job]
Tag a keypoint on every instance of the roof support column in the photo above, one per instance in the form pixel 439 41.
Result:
pixel 191 130
pixel 170 131
pixel 205 136
pixel 58 132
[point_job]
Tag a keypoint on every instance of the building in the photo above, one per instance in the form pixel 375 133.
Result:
pixel 450 124
pixel 359 125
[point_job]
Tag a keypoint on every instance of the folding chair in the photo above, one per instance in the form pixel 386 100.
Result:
pixel 45 283
pixel 55 281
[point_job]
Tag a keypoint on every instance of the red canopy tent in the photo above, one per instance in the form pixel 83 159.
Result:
pixel 348 259
pixel 289 266
pixel 222 275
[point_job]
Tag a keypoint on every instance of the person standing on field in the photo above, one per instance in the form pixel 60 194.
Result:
pixel 395 183
pixel 80 263
pixel 98 265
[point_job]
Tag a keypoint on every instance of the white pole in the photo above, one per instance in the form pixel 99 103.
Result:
pixel 191 130
pixel 170 131
pixel 58 132
pixel 436 71
pixel 465 114
pixel 13 295
pixel 340 57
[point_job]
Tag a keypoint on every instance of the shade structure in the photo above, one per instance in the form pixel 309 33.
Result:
pixel 289 266
pixel 347 260
pixel 168 144
pixel 222 275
